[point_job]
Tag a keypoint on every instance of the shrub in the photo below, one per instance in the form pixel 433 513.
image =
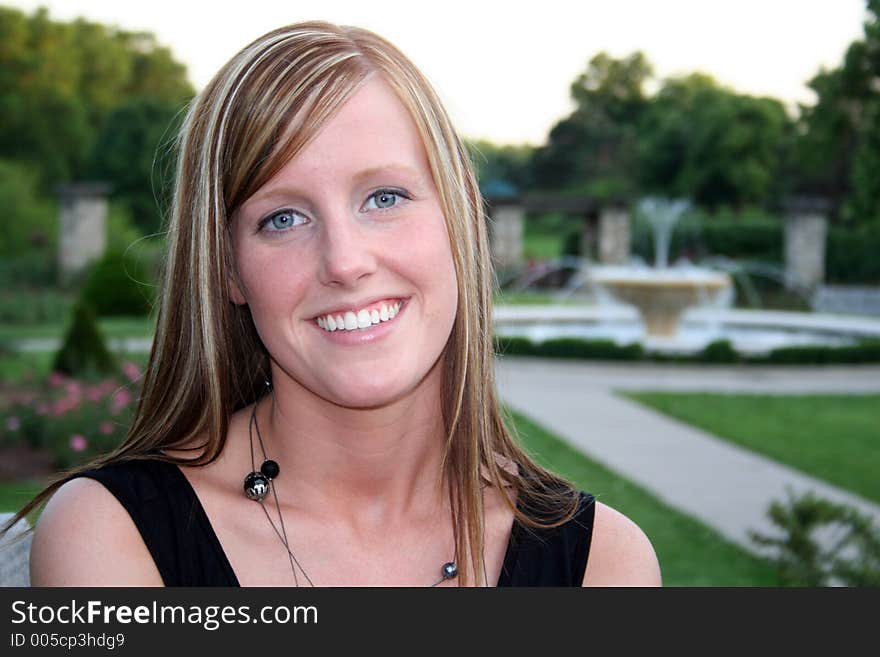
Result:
pixel 84 350
pixel 118 285
pixel 852 558
pixel 598 349
pixel 719 351
pixel 72 419
pixel 514 346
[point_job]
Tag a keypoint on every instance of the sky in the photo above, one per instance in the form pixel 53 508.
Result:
pixel 503 69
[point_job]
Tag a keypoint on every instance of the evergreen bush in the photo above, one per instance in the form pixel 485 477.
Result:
pixel 84 351
pixel 119 286
pixel 850 556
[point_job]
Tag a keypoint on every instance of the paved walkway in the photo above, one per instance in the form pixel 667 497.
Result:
pixel 727 487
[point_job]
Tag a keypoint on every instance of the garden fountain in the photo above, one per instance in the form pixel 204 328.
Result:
pixel 662 293
pixel 679 309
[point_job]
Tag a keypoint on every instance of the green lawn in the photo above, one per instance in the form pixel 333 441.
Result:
pixel 111 327
pixel 690 553
pixel 13 496
pixel 832 437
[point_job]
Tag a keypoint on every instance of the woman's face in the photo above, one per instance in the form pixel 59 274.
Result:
pixel 345 260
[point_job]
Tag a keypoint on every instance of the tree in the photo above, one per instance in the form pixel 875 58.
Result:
pixel 506 163
pixel 712 145
pixel 594 149
pixel 60 81
pixel 133 153
pixel 836 152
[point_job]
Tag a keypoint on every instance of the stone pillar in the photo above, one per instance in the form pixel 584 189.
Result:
pixel 589 236
pixel 614 235
pixel 507 222
pixel 82 225
pixel 806 227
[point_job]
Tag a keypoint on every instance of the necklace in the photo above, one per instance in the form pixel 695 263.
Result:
pixel 258 484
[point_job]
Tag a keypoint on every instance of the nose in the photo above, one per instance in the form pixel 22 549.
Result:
pixel 347 253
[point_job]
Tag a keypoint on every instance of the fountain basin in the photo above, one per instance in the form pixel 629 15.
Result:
pixel 662 295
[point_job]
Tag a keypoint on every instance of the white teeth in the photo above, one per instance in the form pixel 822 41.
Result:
pixel 360 320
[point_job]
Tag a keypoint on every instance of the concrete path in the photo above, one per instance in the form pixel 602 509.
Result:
pixel 727 487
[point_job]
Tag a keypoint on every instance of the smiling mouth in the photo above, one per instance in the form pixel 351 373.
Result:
pixel 353 320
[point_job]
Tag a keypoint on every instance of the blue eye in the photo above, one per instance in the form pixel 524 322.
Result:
pixel 383 199
pixel 282 220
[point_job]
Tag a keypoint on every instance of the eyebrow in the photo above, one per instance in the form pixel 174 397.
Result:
pixel 359 177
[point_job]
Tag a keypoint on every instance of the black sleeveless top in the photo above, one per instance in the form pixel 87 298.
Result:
pixel 182 542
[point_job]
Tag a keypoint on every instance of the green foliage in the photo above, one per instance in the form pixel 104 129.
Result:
pixel 719 351
pixel 748 235
pixel 61 80
pixel 506 163
pixel 852 255
pixel 596 145
pixel 836 153
pixel 700 141
pixel 119 286
pixel 30 222
pixel 74 420
pixel 84 350
pixel 852 558
pixel 133 154
pixel 867 351
pixel 34 306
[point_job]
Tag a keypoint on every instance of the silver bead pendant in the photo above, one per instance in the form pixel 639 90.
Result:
pixel 256 486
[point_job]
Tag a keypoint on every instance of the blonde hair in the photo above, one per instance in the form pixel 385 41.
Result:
pixel 207 360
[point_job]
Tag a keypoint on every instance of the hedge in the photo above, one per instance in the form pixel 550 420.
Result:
pixel 720 351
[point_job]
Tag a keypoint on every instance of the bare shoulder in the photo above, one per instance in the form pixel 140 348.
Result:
pixel 85 537
pixel 620 553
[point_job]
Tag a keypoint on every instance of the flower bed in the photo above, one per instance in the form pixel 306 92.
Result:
pixel 70 419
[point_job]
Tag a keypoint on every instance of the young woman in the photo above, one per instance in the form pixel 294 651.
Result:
pixel 319 406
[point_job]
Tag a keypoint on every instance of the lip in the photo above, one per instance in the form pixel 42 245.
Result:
pixel 358 305
pixel 366 335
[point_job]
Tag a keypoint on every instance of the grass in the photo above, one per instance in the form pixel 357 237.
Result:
pixel 542 246
pixel 833 437
pixel 22 366
pixel 111 327
pixel 14 495
pixel 690 553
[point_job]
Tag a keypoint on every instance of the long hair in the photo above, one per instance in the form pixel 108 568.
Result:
pixel 207 359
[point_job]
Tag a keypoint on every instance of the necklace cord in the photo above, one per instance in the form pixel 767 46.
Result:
pixel 448 571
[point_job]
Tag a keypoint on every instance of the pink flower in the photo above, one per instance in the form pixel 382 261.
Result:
pixel 56 379
pixel 121 398
pixel 131 370
pixel 78 442
pixel 106 427
pixel 13 423
pixel 42 408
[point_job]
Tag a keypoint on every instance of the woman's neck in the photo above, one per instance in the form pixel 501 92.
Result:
pixel 377 465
